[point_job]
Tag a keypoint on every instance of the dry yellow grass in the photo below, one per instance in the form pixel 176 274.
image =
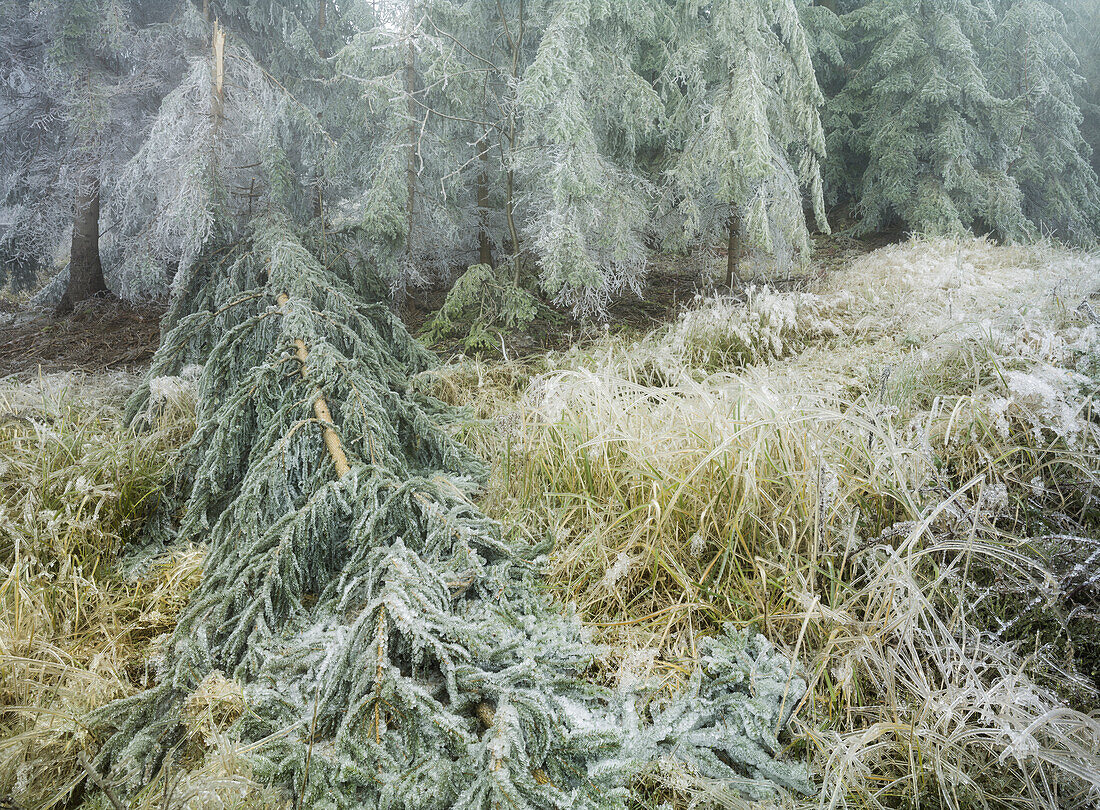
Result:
pixel 75 632
pixel 833 468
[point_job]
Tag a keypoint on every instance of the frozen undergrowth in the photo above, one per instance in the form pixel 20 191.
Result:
pixel 896 486
pixel 894 476
pixel 390 648
pixel 74 633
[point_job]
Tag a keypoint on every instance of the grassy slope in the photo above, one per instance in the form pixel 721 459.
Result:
pixel 894 477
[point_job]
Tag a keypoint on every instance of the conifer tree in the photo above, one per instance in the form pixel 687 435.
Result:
pixel 30 133
pixel 1083 23
pixel 242 132
pixel 88 73
pixel 1032 64
pixel 420 98
pixel 586 207
pixel 515 154
pixel 746 141
pixel 395 649
pixel 919 136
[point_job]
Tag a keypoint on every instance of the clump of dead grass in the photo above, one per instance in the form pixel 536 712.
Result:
pixel 75 487
pixel 864 494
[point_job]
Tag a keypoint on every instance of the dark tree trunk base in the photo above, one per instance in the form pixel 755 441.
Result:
pixel 733 251
pixel 85 270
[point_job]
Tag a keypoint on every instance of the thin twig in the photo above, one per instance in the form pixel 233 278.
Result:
pixel 100 782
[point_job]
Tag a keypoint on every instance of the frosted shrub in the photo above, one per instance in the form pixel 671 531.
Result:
pixel 1044 397
pixel 727 334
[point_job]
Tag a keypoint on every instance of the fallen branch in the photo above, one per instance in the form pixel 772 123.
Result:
pixel 99 781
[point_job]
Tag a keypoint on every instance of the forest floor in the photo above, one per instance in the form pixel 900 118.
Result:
pixel 100 336
pixel 889 466
pixel 670 287
pixel 113 336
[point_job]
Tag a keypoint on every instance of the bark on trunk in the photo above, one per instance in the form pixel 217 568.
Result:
pixel 85 270
pixel 484 244
pixel 410 92
pixel 733 251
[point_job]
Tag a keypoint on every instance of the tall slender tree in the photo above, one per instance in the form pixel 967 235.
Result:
pixel 746 138
pixel 88 74
pixel 584 106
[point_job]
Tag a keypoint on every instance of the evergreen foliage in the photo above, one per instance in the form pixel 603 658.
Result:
pixel 1083 24
pixel 396 651
pixel 563 134
pixel 919 133
pixel 243 131
pixel 1033 64
pixel 478 301
pixel 77 82
pixel 581 96
pixel 960 116
pixel 408 204
pixel 746 140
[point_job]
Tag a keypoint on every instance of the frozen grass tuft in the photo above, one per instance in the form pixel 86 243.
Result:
pixel 75 486
pixel 893 477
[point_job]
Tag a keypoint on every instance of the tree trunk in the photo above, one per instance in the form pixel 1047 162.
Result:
pixel 516 45
pixel 218 76
pixel 410 91
pixel 85 270
pixel 484 245
pixel 733 250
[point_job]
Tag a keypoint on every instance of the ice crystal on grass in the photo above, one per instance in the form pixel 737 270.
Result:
pixel 725 333
pixel 886 503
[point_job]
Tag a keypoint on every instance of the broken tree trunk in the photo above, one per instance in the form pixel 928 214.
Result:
pixel 320 407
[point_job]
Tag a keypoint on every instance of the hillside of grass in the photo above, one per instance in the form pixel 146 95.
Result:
pixel 892 474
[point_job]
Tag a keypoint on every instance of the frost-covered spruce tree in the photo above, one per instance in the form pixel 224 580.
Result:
pixel 1083 33
pixel 30 133
pixel 923 140
pixel 81 78
pixel 422 145
pixel 1032 64
pixel 745 139
pixel 584 106
pixel 395 650
pixel 240 133
pixel 505 138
